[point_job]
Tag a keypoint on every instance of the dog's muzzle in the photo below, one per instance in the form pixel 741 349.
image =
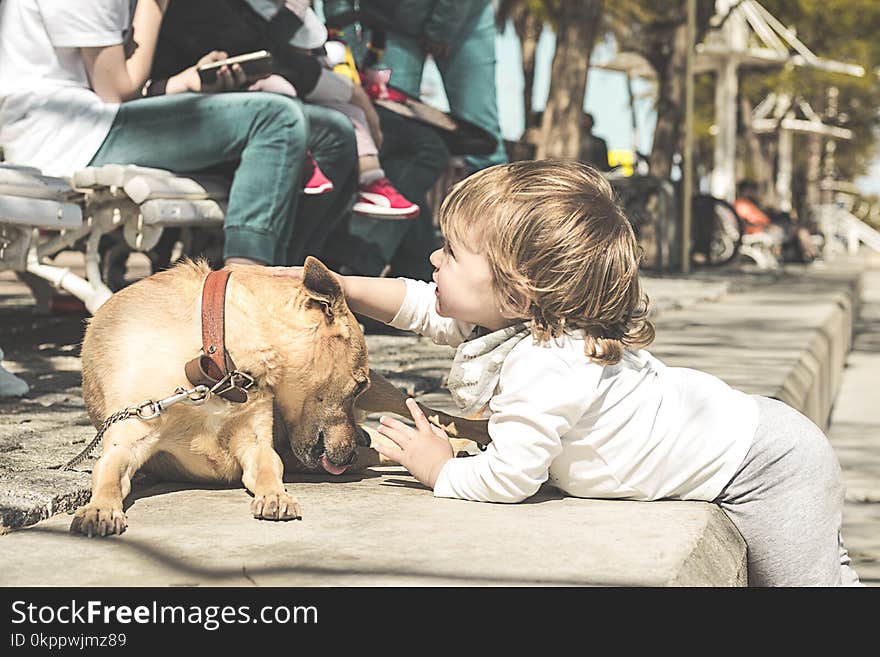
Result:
pixel 318 453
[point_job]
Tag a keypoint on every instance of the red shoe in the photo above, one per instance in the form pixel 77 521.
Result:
pixel 380 199
pixel 316 181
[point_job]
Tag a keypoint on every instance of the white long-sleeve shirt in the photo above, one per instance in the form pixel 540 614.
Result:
pixel 636 430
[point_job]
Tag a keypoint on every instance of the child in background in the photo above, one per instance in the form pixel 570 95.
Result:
pixel 538 288
pixel 377 197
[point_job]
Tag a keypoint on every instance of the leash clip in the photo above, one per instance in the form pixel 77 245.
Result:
pixel 148 410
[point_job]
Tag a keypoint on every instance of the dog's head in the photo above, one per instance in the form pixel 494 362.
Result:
pixel 327 371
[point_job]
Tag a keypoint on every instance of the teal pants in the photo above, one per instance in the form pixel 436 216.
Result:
pixel 331 140
pixel 468 76
pixel 263 137
pixel 413 156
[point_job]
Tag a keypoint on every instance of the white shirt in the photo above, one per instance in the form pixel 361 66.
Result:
pixel 636 430
pixel 49 117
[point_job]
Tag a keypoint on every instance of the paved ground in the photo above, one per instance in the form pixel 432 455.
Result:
pixel 855 435
pixel 49 425
pixel 706 321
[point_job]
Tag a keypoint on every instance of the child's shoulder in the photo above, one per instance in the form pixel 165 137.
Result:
pixel 557 371
pixel 567 349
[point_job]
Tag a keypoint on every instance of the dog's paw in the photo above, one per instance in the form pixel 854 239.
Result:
pixel 98 520
pixel 276 506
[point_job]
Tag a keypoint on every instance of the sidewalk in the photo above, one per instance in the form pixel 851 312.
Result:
pixel 781 334
pixel 855 435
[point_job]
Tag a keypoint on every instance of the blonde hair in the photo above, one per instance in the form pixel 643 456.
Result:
pixel 561 251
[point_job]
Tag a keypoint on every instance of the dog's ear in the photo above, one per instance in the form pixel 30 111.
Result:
pixel 321 286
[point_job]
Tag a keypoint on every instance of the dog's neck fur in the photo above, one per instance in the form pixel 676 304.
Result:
pixel 262 312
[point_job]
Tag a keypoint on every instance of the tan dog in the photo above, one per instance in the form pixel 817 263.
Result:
pixel 298 339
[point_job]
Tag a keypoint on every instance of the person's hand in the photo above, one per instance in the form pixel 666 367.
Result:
pixel 228 78
pixel 298 7
pixel 274 84
pixel 375 82
pixel 360 99
pixel 437 49
pixel 423 450
pixel 296 273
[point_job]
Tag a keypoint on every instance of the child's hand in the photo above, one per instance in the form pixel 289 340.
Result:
pixel 423 450
pixel 291 272
pixel 296 273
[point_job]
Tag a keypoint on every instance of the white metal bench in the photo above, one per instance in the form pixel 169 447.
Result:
pixel 41 216
pixel 144 202
pixel 759 247
pixel 31 203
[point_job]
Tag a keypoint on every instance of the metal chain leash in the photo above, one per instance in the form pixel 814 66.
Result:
pixel 87 451
pixel 150 409
pixel 146 410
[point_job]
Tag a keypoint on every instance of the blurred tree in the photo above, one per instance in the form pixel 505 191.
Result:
pixel 576 24
pixel 656 29
pixel 528 17
pixel 843 30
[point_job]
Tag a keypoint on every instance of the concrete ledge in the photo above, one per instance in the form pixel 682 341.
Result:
pixel 383 529
pixel 787 340
pixel 784 336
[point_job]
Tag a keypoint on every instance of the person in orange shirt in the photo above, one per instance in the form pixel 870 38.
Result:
pixel 787 236
pixel 755 220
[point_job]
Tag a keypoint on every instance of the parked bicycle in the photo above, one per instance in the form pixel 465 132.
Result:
pixel 652 205
pixel 716 231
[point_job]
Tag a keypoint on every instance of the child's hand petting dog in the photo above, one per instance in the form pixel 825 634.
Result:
pixel 291 272
pixel 296 273
pixel 423 450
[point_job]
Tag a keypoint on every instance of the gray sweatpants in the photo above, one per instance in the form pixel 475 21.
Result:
pixel 786 499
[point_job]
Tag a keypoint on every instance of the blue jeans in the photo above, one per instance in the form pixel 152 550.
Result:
pixel 264 137
pixel 468 76
pixel 413 156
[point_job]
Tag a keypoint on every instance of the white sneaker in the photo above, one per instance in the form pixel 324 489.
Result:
pixel 11 385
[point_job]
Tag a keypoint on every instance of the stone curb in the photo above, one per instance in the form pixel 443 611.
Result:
pixel 713 553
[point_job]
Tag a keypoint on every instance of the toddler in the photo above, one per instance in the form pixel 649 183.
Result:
pixel 537 286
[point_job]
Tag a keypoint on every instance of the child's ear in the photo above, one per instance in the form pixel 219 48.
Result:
pixel 514 305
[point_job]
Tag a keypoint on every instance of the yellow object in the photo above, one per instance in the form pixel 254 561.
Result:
pixel 624 158
pixel 348 68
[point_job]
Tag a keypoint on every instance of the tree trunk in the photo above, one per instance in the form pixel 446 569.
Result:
pixel 662 40
pixel 528 29
pixel 577 25
pixel 670 66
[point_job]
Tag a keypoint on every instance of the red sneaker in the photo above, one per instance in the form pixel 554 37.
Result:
pixel 380 199
pixel 316 181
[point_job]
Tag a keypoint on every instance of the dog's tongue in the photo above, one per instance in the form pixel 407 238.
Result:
pixel 329 467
